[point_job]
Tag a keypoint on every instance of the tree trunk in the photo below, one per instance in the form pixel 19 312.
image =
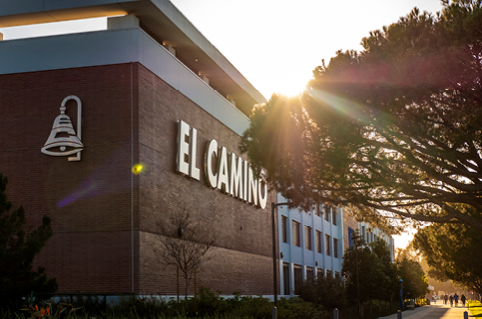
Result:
pixel 185 290
pixel 177 277
pixel 195 305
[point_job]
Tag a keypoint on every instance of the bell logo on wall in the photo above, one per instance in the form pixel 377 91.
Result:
pixel 63 140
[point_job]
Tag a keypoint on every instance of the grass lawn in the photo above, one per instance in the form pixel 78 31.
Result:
pixel 475 308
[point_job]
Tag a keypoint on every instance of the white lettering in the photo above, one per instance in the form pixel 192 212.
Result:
pixel 226 172
pixel 262 193
pixel 210 160
pixel 193 170
pixel 182 162
pixel 252 187
pixel 236 176
pixel 245 181
pixel 223 181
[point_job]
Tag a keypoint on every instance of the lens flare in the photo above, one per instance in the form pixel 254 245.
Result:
pixel 137 169
pixel 105 180
pixel 87 190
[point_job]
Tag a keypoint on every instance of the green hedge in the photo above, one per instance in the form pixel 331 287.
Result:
pixel 207 305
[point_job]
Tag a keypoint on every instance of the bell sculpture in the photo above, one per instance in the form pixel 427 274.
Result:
pixel 63 140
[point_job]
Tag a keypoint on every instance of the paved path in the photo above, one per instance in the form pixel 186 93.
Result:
pixel 433 311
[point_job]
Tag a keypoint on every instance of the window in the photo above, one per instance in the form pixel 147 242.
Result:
pixel 308 237
pixel 327 212
pixel 318 210
pixel 318 241
pixel 327 245
pixel 329 274
pixel 335 213
pixel 298 277
pixel 337 275
pixel 335 247
pixel 284 229
pixel 320 273
pixel 296 234
pixel 286 278
pixel 310 275
pixel 351 232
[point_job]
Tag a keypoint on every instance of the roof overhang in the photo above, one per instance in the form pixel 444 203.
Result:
pixel 161 19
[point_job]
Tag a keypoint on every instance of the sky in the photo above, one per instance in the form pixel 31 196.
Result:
pixel 275 44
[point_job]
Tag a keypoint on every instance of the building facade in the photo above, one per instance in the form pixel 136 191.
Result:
pixel 112 132
pixel 371 234
pixel 313 243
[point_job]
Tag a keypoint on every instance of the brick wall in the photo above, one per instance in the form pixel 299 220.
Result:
pixel 89 201
pixel 242 258
pixel 93 202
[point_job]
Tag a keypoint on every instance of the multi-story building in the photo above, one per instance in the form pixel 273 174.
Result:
pixel 371 234
pixel 312 243
pixel 112 132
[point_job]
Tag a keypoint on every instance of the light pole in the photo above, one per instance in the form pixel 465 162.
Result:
pixel 275 255
pixel 401 293
pixel 357 241
pixel 357 279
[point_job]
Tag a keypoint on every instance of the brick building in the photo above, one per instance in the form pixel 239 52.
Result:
pixel 152 91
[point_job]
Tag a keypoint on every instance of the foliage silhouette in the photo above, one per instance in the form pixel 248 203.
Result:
pixel 17 252
pixel 392 131
pixel 449 250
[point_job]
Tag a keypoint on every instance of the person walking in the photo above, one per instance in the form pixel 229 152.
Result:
pixel 463 299
pixel 456 298
pixel 445 299
pixel 451 298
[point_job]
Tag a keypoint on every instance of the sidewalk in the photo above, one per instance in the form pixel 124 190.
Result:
pixel 433 311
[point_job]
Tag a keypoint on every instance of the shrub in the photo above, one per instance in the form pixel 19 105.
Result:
pixel 208 305
pixel 295 308
pixel 143 307
pixel 326 291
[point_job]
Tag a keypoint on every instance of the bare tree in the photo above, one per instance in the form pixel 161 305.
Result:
pixel 185 243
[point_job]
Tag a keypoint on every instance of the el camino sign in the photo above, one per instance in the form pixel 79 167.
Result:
pixel 222 170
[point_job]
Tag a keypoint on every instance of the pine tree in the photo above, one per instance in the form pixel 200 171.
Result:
pixel 394 128
pixel 17 252
pixel 449 251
